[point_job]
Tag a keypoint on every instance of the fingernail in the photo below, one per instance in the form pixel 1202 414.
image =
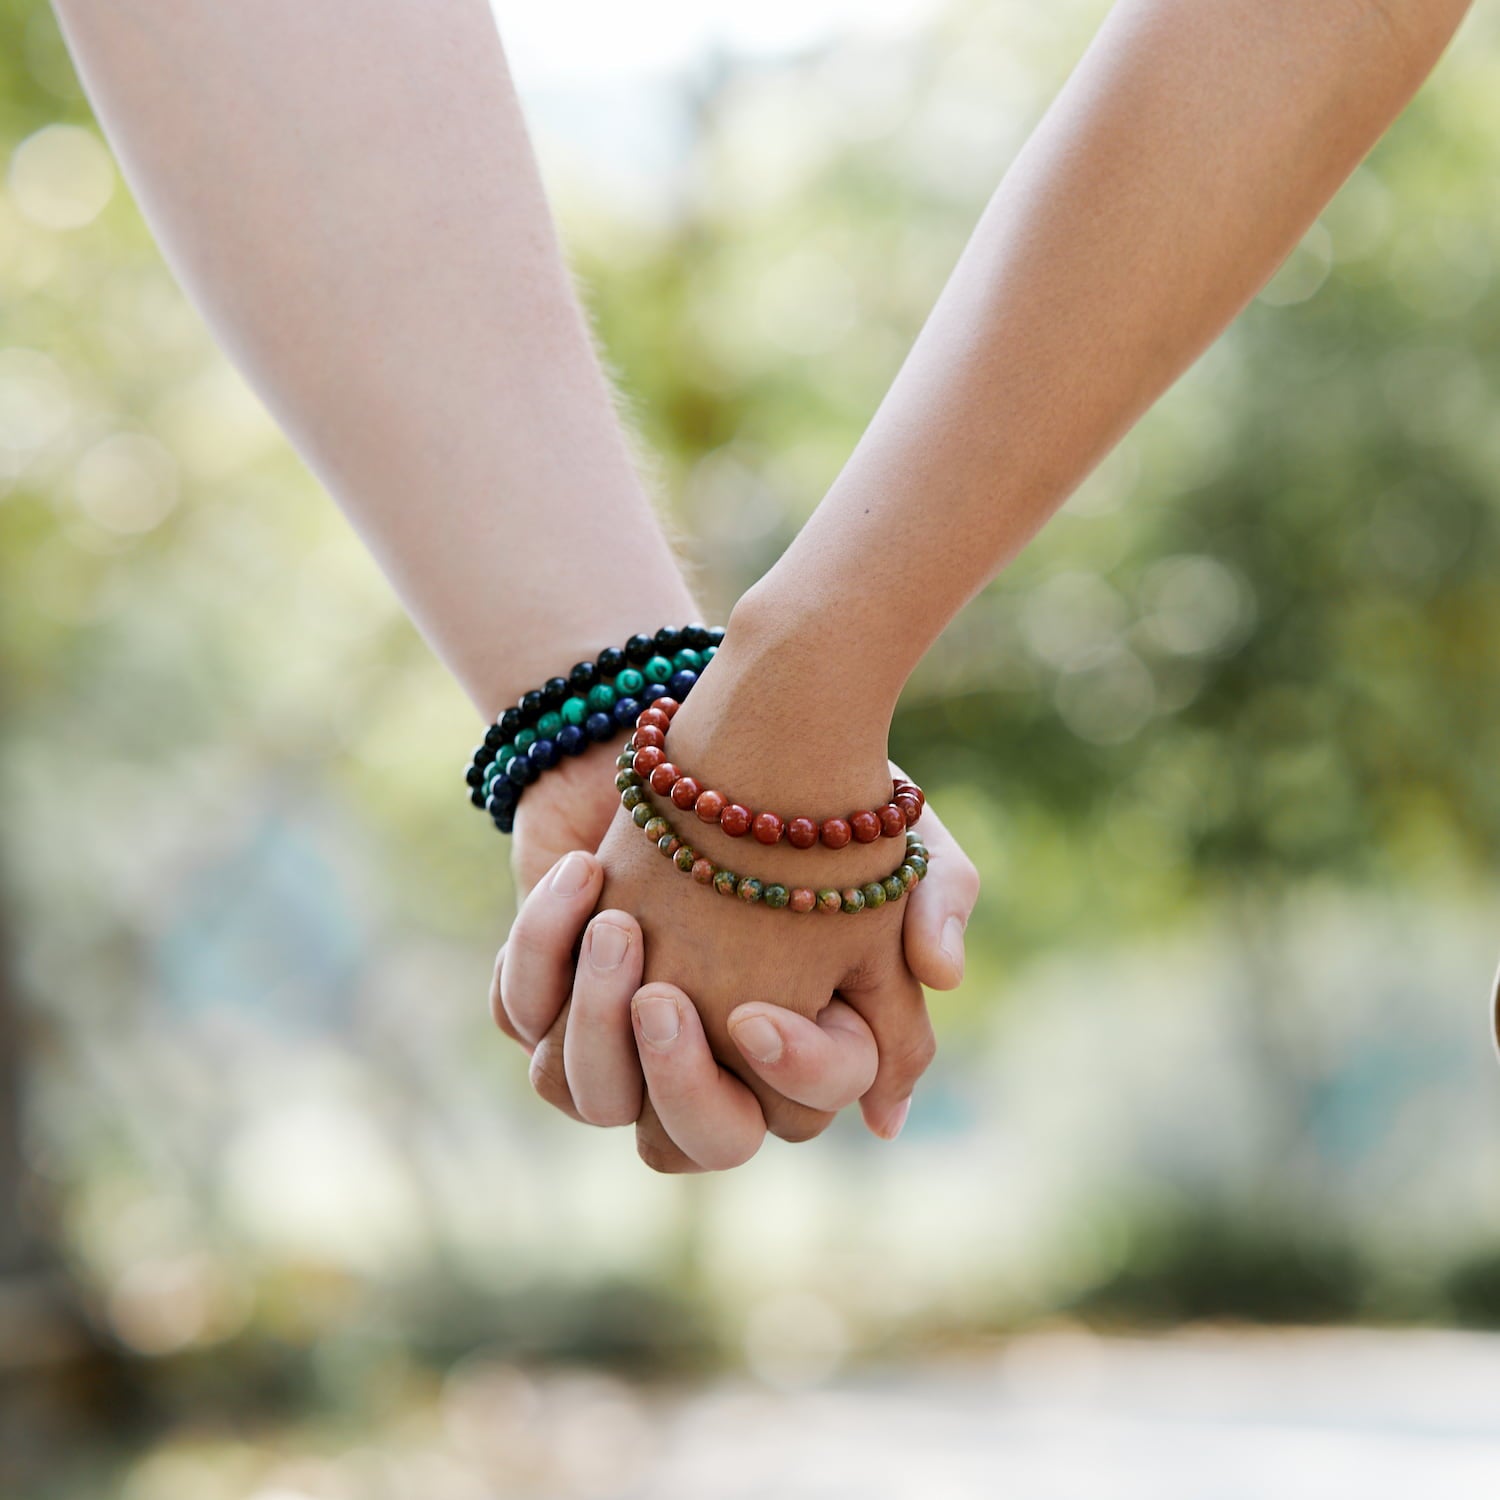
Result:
pixel 571 875
pixel 607 945
pixel 896 1119
pixel 953 943
pixel 657 1017
pixel 757 1037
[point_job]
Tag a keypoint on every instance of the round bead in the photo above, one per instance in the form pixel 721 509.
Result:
pixel 625 711
pixel 749 890
pixel 638 650
pixel 767 828
pixel 625 760
pixel 687 660
pixel 601 698
pixel 865 827
pixel 627 777
pixel 657 829
pixel 548 725
pixel 653 718
pixel 554 690
pixel 802 899
pixel 609 661
pixel 523 770
pixel 571 739
pixel 649 737
pixel 648 759
pixel 735 820
pixel 668 705
pixel 505 755
pixel 652 691
pixel 658 669
pixel 852 900
pixel 835 832
pixel 892 821
pixel 583 677
pixel 530 706
pixel 494 737
pixel 830 900
pixel 599 727
pixel 708 653
pixel 703 871
pixel 685 858
pixel 726 882
pixel 716 635
pixel 709 806
pixel 504 797
pixel 911 809
pixel 696 636
pixel 918 862
pixel 544 754
pixel 775 896
pixel 474 775
pixel 801 833
pixel 669 844
pixel 685 792
pixel 574 710
pixel 525 739
pixel 510 721
pixel 505 822
pixel 907 876
pixel 641 811
pixel 629 681
pixel 874 895
pixel 662 778
pixel 893 888
pixel 915 846
pixel 680 684
pixel 666 640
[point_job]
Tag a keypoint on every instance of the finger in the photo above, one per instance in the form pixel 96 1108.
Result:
pixel 824 1063
pixel 706 1111
pixel 549 1069
pixel 893 1007
pixel 938 908
pixel 656 1148
pixel 600 1059
pixel 538 971
pixel 497 1010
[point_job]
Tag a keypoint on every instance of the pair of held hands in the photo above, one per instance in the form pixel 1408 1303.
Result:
pixel 770 1021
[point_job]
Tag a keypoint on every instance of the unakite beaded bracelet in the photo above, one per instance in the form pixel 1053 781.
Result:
pixel 636 798
pixel 590 705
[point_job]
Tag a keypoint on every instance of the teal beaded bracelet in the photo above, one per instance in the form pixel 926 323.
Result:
pixel 636 799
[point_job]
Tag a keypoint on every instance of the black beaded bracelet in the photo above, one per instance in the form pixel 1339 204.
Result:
pixel 595 701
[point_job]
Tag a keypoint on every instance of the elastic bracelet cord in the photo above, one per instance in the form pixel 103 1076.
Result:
pixel 593 703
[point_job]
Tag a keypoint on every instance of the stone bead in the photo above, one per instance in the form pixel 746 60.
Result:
pixel 749 890
pixel 703 871
pixel 653 718
pixel 641 811
pixel 523 770
pixel 657 829
pixel 685 792
pixel 599 727
pixel 687 660
pixel 627 778
pixel 916 847
pixel 685 858
pixel 544 754
pixel 907 876
pixel 680 684
pixel 668 705
pixel 735 820
pixel 726 882
pixel 709 806
pixel 801 833
pixel 494 737
pixel 583 676
pixel 474 775
pixel 601 698
pixel 835 832
pixel 802 899
pixel 669 844
pixel 609 661
pixel 708 653
pixel 775 896
pixel 554 690
pixel 510 722
pixel 504 755
pixel 716 635
pixel 648 759
pixel 911 809
pixel 697 636
pixel 852 900
pixel 892 821
pixel 918 862
pixel 504 796
pixel 894 889
pixel 629 681
pixel 530 706
pixel 625 711
pixel 649 738
pixel 625 760
pixel 505 822
pixel 658 669
pixel 571 740
pixel 638 650
pixel 652 691
pixel 865 827
pixel 548 725
pixel 830 900
pixel 663 777
pixel 767 828
pixel 874 895
pixel 574 710
pixel 667 640
pixel 525 739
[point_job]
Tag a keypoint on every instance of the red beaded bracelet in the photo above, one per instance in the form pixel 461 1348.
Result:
pixel 647 753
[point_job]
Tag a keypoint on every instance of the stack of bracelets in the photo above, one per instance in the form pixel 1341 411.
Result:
pixel 593 703
pixel 641 684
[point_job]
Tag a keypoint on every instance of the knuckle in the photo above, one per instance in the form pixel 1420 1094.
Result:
pixel 549 1080
pixel 795 1123
pixel 660 1155
pixel 912 1058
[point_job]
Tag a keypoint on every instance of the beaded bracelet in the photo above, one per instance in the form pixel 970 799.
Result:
pixel 913 867
pixel 648 758
pixel 591 704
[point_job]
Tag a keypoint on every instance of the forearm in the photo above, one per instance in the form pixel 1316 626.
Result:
pixel 1186 156
pixel 348 192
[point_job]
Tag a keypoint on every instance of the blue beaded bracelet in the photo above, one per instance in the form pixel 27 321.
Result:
pixel 595 701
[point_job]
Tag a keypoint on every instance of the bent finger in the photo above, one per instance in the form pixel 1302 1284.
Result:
pixel 893 1007
pixel 824 1063
pixel 537 975
pixel 600 1059
pixel 938 908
